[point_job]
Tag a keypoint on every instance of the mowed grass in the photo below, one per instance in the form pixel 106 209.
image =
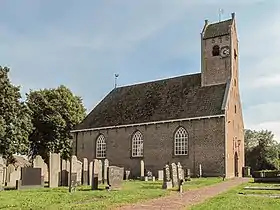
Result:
pixel 233 200
pixel 84 198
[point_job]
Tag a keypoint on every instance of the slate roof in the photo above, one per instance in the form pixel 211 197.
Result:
pixel 218 29
pixel 167 99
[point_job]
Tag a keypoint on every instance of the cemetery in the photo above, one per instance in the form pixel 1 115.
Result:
pixel 97 184
pixel 245 196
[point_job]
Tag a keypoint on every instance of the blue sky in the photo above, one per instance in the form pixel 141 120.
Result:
pixel 82 44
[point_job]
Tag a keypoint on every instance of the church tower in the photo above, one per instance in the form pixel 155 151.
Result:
pixel 219 52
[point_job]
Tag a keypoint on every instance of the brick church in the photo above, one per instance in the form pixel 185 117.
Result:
pixel 192 119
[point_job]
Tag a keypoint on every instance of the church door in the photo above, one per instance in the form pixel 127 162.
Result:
pixel 236 164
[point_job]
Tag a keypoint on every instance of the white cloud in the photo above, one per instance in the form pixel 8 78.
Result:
pixel 266 81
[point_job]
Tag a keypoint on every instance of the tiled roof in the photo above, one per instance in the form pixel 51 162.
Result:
pixel 217 29
pixel 167 99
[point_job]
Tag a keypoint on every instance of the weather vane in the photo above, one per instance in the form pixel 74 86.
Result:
pixel 221 11
pixel 116 77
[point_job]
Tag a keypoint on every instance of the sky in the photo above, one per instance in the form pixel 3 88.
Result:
pixel 83 44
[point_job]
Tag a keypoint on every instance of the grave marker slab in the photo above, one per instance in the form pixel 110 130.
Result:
pixel 30 178
pixel 1 177
pixel 94 174
pixel 167 183
pixel 115 177
pixel 100 172
pixel 13 175
pixel 127 174
pixel 105 170
pixel 160 175
pixel 174 175
pixel 85 172
pixel 142 169
pixel 65 170
pixel 54 170
pixel 180 172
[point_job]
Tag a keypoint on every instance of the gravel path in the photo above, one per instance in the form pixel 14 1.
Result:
pixel 186 199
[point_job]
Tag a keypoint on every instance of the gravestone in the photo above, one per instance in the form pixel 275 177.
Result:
pixel 188 174
pixel 65 170
pixel 38 162
pixel 246 171
pixel 167 183
pixel 77 167
pixel 73 182
pixel 127 174
pixel 9 170
pixel 100 172
pixel 142 169
pixel 13 174
pixel 115 177
pixel 90 169
pixel 30 178
pixel 1 177
pixel 160 175
pixel 174 175
pixel 180 172
pixel 46 172
pixel 54 170
pixel 85 171
pixel 94 174
pixel 105 170
pixel 3 169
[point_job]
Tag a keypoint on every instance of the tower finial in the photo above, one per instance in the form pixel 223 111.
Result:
pixel 221 11
pixel 116 77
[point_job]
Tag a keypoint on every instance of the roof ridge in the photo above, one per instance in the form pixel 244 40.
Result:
pixel 159 80
pixel 223 21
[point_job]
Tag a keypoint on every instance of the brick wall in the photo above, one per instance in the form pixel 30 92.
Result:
pixel 214 69
pixel 234 117
pixel 206 146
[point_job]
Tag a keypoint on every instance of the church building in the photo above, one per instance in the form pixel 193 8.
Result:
pixel 194 119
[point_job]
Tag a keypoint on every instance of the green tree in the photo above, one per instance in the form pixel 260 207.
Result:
pixel 15 118
pixel 261 150
pixel 55 113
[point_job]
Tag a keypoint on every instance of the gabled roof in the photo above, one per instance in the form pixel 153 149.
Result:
pixel 218 29
pixel 167 99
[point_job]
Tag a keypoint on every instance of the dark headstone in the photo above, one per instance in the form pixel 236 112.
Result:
pixel 127 174
pixel 30 178
pixel 188 174
pixel 115 177
pixel 94 184
pixel 85 177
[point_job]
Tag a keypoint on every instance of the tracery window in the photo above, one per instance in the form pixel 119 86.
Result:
pixel 100 147
pixel 137 144
pixel 181 142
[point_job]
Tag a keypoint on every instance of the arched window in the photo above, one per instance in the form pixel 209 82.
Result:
pixel 216 50
pixel 181 141
pixel 137 144
pixel 100 147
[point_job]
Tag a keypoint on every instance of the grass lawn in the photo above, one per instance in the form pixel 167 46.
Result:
pixel 231 199
pixel 84 198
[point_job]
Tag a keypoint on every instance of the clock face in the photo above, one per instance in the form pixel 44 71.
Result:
pixel 225 51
